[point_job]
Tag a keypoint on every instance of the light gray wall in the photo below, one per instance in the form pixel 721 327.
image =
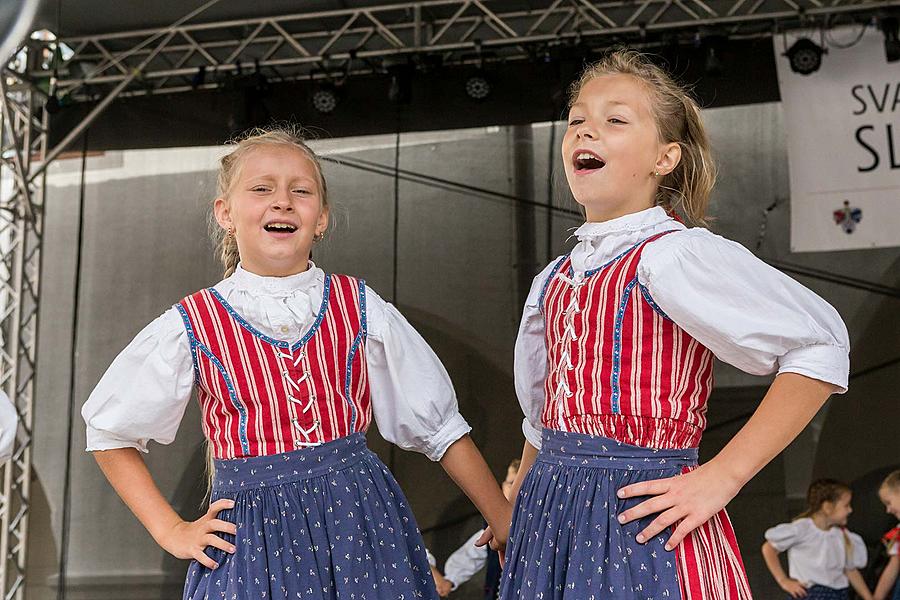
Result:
pixel 145 247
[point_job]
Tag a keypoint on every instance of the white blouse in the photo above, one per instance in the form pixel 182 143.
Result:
pixel 9 422
pixel 145 391
pixel 747 313
pixel 818 556
pixel 465 561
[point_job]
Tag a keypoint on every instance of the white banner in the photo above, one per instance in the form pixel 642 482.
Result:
pixel 843 140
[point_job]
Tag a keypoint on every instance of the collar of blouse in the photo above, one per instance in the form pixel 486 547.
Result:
pixel 276 286
pixel 638 221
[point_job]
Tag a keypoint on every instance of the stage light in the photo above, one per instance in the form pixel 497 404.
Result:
pixel 199 78
pixel 713 64
pixel 400 90
pixel 325 99
pixel 478 88
pixel 890 26
pixel 805 56
pixel 52 105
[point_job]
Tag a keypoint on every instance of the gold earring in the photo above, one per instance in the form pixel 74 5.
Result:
pixel 318 237
pixel 230 232
pixel 656 173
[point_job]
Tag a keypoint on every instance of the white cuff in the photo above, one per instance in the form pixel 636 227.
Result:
pixel 532 435
pixel 451 431
pixel 99 440
pixel 824 362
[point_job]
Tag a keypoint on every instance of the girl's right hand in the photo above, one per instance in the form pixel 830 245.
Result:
pixel 189 539
pixel 793 587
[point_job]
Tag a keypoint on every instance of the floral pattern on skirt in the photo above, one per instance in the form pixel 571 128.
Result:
pixel 324 522
pixel 565 540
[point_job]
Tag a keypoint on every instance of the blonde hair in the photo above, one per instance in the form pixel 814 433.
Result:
pixel 229 172
pixel 892 481
pixel 687 188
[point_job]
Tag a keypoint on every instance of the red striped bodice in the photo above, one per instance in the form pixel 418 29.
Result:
pixel 261 396
pixel 617 365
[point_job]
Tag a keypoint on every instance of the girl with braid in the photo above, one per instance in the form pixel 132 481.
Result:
pixel 823 557
pixel 290 364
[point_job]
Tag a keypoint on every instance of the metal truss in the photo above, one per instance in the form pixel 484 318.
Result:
pixel 319 44
pixel 24 157
pixel 24 142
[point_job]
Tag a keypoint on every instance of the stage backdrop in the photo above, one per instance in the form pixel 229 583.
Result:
pixel 843 139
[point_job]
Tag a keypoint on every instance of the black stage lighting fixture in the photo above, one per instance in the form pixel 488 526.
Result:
pixel 890 26
pixel 478 87
pixel 199 78
pixel 805 56
pixel 325 99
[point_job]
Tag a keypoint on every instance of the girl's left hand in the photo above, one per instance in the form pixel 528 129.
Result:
pixel 689 499
pixel 500 529
pixel 487 537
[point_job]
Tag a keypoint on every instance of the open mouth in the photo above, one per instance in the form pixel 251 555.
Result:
pixel 280 228
pixel 586 162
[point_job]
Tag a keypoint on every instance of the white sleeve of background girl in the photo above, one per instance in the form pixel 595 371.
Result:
pixel 785 535
pixel 749 314
pixel 857 556
pixel 9 422
pixel 530 360
pixel 145 391
pixel 465 561
pixel 412 396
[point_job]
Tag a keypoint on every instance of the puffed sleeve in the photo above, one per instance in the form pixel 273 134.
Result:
pixel 145 391
pixel 530 359
pixel 412 396
pixel 9 422
pixel 749 314
pixel 857 554
pixel 783 536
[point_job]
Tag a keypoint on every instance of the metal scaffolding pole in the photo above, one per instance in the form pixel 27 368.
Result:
pixel 24 158
pixel 24 142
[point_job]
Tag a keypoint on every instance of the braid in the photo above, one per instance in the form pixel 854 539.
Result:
pixel 229 254
pixel 822 491
pixel 225 242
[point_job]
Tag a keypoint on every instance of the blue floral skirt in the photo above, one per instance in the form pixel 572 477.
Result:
pixel 565 541
pixel 324 522
pixel 821 592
